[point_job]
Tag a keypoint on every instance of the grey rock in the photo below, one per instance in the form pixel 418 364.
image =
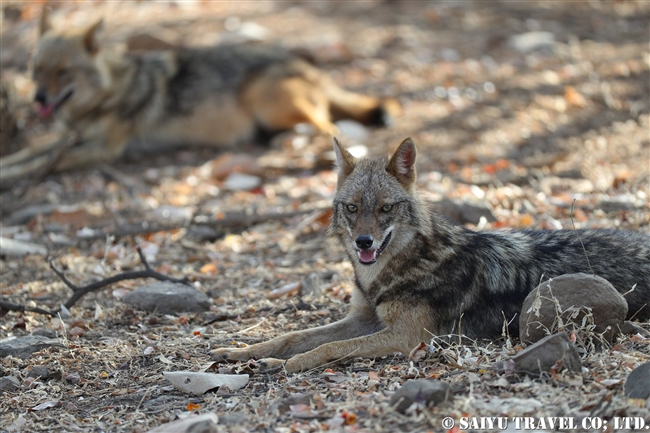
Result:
pixel 24 346
pixel 637 384
pixel 9 383
pixel 71 377
pixel 39 372
pixel 427 392
pixel 546 353
pixel 463 211
pixel 166 297
pixel 576 295
pixel 630 328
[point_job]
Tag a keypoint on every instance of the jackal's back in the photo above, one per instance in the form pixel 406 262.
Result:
pixel 492 272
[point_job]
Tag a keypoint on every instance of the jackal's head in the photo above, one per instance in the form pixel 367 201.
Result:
pixel 65 69
pixel 376 208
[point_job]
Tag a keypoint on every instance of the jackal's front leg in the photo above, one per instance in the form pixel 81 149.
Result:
pixel 406 328
pixel 361 320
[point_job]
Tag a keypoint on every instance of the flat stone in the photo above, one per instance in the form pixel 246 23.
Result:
pixel 630 328
pixel 427 392
pixel 23 347
pixel 9 383
pixel 637 384
pixel 166 297
pixel 39 372
pixel 542 356
pixel 576 295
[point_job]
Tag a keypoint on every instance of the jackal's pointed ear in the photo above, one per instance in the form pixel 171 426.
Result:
pixel 344 161
pixel 402 163
pixel 44 24
pixel 90 37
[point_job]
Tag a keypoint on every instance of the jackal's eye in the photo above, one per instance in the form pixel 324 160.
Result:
pixel 352 208
pixel 387 208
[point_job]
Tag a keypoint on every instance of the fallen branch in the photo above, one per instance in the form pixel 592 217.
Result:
pixel 10 306
pixel 80 291
pixel 228 222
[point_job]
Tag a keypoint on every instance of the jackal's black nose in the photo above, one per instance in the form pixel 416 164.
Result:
pixel 41 96
pixel 364 242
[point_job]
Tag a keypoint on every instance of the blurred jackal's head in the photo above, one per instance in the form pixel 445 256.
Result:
pixel 67 69
pixel 376 208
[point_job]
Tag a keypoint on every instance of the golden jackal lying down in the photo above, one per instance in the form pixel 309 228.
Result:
pixel 216 96
pixel 417 274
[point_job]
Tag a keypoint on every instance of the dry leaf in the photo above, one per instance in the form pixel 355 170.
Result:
pixel 46 405
pixel 192 407
pixel 208 269
pixel 573 98
pixel 199 383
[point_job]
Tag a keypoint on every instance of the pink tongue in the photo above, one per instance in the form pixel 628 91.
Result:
pixel 45 111
pixel 367 255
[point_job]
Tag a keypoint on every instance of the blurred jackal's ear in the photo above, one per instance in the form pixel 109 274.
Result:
pixel 344 161
pixel 91 37
pixel 44 24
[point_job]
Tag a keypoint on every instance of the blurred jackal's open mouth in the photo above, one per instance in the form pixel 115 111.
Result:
pixel 46 110
pixel 370 256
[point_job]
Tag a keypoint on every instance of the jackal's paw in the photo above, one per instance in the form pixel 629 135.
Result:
pixel 268 365
pixel 302 362
pixel 231 354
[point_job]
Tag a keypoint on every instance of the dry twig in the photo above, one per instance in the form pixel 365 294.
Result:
pixel 80 291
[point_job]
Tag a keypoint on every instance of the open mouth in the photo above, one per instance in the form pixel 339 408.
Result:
pixel 370 256
pixel 46 110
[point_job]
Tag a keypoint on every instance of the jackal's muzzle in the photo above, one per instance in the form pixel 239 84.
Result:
pixel 367 254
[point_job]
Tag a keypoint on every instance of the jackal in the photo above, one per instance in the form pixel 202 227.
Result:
pixel 418 275
pixel 218 96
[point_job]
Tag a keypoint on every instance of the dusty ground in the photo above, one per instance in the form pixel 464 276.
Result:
pixel 524 132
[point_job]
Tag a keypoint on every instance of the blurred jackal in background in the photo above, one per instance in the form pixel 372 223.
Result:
pixel 218 96
pixel 418 275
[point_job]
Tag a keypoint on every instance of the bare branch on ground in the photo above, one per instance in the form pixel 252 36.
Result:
pixel 80 291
